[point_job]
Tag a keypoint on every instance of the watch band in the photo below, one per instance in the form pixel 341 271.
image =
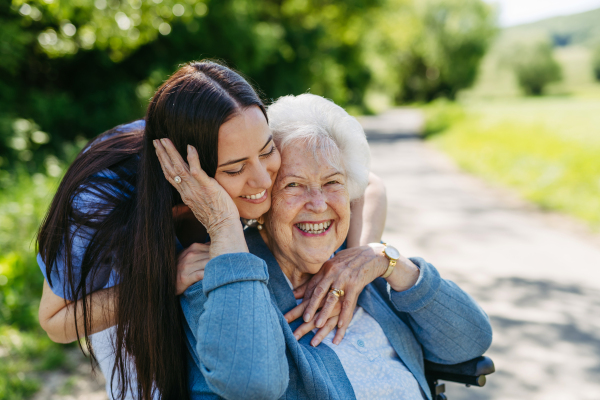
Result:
pixel 392 263
pixel 389 269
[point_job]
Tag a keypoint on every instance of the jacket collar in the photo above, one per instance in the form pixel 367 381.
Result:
pixel 278 285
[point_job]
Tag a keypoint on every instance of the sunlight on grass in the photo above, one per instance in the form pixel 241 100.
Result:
pixel 547 149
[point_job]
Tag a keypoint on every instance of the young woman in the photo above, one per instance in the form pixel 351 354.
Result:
pixel 110 246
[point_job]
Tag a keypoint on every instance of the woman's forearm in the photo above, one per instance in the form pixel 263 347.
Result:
pixel 58 321
pixel 448 323
pixel 237 329
pixel 375 211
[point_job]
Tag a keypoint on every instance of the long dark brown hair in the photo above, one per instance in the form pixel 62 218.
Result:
pixel 130 225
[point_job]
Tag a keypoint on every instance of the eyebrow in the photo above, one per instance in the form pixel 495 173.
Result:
pixel 335 173
pixel 302 177
pixel 245 158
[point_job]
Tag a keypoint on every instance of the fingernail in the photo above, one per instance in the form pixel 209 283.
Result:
pixel 162 141
pixel 297 336
pixel 154 142
pixel 306 317
pixel 336 341
pixel 189 149
pixel 319 323
pixel 313 344
pixel 340 324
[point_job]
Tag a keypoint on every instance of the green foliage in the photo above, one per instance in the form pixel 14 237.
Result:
pixel 23 202
pixel 23 356
pixel 73 69
pixel 445 57
pixel 25 349
pixel 535 67
pixel 521 146
pixel 596 63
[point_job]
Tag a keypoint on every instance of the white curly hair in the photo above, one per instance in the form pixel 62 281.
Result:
pixel 333 134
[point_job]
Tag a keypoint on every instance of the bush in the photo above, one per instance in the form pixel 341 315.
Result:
pixel 76 70
pixel 445 58
pixel 596 63
pixel 535 67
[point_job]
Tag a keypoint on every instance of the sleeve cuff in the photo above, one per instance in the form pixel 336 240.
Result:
pixel 231 268
pixel 422 293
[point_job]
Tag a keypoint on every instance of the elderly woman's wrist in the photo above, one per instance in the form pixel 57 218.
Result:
pixel 227 238
pixel 404 276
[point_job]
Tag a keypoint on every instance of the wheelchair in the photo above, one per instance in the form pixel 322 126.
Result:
pixel 471 373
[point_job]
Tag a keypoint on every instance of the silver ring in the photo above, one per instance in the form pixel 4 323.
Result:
pixel 177 179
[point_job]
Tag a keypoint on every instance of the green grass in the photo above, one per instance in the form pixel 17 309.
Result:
pixel 25 349
pixel 546 148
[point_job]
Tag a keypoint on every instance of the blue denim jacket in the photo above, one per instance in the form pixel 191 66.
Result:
pixel 241 347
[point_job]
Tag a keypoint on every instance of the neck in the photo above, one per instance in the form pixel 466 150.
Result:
pixel 289 267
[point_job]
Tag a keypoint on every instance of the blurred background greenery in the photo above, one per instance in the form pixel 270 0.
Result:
pixel 518 106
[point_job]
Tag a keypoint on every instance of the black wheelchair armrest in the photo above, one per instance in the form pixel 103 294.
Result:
pixel 470 372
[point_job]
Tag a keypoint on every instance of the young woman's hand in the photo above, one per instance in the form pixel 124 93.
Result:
pixel 350 270
pixel 190 265
pixel 209 202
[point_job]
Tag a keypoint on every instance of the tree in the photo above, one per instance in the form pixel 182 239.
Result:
pixel 535 67
pixel 74 69
pixel 449 39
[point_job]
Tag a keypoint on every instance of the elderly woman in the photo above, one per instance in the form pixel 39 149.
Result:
pixel 240 344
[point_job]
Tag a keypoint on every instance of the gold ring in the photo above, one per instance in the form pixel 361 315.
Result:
pixel 337 292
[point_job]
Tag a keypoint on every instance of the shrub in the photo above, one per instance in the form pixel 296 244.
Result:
pixel 596 63
pixel 535 67
pixel 445 57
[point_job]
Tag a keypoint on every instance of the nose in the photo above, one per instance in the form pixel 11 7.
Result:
pixel 260 178
pixel 316 201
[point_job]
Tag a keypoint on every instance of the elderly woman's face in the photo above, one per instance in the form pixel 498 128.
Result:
pixel 310 212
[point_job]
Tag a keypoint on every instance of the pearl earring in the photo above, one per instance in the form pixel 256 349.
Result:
pixel 260 222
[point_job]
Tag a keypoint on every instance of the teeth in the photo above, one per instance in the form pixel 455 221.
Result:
pixel 256 196
pixel 314 229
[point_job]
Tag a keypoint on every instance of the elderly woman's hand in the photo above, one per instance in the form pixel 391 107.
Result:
pixel 190 265
pixel 209 202
pixel 310 325
pixel 350 270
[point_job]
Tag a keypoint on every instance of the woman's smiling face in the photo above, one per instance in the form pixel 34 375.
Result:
pixel 310 215
pixel 248 162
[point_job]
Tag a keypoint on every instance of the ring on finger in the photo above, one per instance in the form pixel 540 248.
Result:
pixel 177 179
pixel 337 292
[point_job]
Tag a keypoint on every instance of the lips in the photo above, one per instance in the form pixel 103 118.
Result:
pixel 255 198
pixel 314 228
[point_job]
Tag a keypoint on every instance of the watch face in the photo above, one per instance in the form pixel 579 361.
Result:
pixel 392 253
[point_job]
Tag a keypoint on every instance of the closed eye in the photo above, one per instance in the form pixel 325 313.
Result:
pixel 270 153
pixel 234 173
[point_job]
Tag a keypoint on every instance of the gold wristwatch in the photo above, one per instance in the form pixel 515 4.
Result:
pixel 393 255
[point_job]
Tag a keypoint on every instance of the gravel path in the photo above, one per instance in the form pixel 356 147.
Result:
pixel 536 274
